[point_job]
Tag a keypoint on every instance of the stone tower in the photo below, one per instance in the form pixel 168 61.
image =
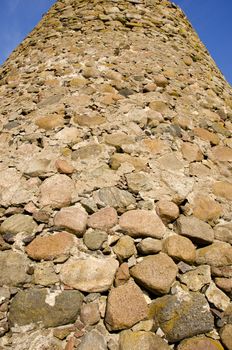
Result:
pixel 115 183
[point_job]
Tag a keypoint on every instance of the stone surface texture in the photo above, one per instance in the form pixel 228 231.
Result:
pixel 115 182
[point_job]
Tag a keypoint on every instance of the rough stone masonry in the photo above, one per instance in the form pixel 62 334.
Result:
pixel 115 184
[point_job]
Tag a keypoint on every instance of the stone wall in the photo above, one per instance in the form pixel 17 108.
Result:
pixel 115 183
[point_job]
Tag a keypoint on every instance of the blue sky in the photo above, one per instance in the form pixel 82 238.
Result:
pixel 210 18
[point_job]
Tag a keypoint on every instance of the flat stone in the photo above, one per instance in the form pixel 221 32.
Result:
pixel 52 310
pixel 216 254
pixel 224 283
pixel 159 106
pixel 72 219
pixel 149 246
pixel 90 275
pixel 200 343
pixel 87 152
pixel 37 167
pixel 226 336
pixel 44 274
pixel 13 267
pixel 223 189
pixel 167 211
pixel 206 135
pixel 179 248
pixel 50 122
pixel 118 159
pixel 56 191
pixel 139 181
pixel 142 223
pixel 206 209
pixel 216 297
pixel 94 239
pixel 223 232
pixel 195 229
pixel 196 278
pixel 180 185
pixel 170 162
pixel 90 338
pixel 114 197
pixel 51 247
pixel 141 340
pixel 156 273
pixel 84 120
pixel 104 219
pixel 193 316
pixel 222 271
pixel 222 154
pixel 18 223
pixel 126 306
pixel 191 152
pixel 155 146
pixel 118 139
pixel 124 248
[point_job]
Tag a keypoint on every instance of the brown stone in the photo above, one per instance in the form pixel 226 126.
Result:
pixel 118 139
pixel 223 189
pixel 126 306
pixel 51 247
pixel 224 283
pixel 195 229
pixel 222 154
pixel 207 136
pixel 122 275
pixel 155 146
pixel 159 106
pixel 85 120
pixel 72 219
pixel 64 167
pixel 142 223
pixel 50 122
pixel 104 219
pixel 89 314
pixel 118 159
pixel 180 248
pixel 56 191
pixel 156 273
pixel 124 248
pixel 167 211
pixel 216 254
pixel 226 337
pixel 191 152
pixel 200 343
pixel 141 340
pixel 206 209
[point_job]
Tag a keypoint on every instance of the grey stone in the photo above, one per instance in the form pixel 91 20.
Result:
pixel 52 310
pixel 94 239
pixel 13 267
pixel 19 223
pixel 195 229
pixel 114 197
pixel 93 339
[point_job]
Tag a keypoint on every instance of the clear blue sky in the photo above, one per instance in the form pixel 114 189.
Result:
pixel 212 19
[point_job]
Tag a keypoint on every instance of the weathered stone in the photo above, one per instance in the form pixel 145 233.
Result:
pixel 118 139
pixel 179 248
pixel 139 181
pixel 44 274
pixel 90 275
pixel 64 167
pixel 216 297
pixel 124 248
pixel 18 223
pixel 72 219
pixel 94 239
pixel 149 246
pixel 51 247
pixel 122 275
pixel 191 152
pixel 222 154
pixel 167 211
pixel 195 229
pixel 216 254
pixel 226 336
pixel 141 341
pixel 13 266
pixel 142 223
pixel 224 283
pixel 37 167
pixel 50 122
pixel 159 106
pixel 193 316
pixel 87 152
pixel 52 310
pixel 118 159
pixel 223 189
pixel 114 197
pixel 206 209
pixel 126 306
pixel 156 273
pixel 104 219
pixel 93 337
pixel 207 136
pixel 222 271
pixel 89 314
pixel 223 232
pixel 56 191
pixel 200 343
pixel 196 278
